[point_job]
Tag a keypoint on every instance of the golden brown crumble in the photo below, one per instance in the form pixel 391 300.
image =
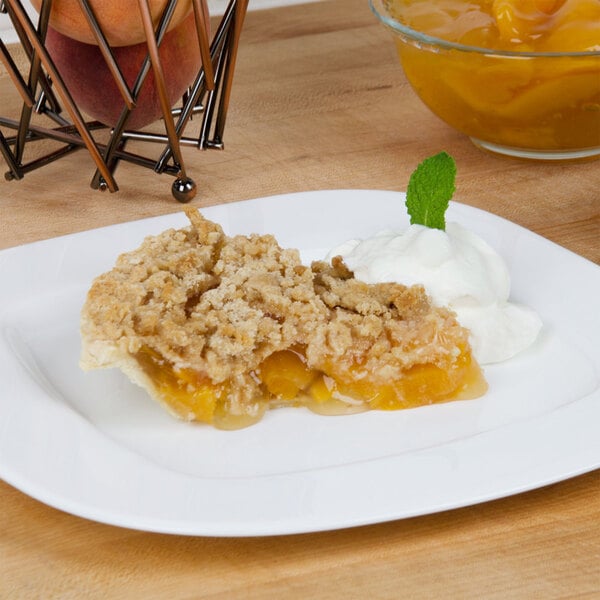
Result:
pixel 219 305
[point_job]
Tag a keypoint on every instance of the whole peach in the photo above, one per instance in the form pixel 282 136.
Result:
pixel 93 87
pixel 120 20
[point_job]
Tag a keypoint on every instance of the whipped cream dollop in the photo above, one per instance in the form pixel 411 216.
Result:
pixel 459 270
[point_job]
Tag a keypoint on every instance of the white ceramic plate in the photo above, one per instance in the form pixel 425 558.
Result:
pixel 94 445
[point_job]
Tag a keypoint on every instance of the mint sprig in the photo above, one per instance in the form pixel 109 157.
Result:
pixel 430 189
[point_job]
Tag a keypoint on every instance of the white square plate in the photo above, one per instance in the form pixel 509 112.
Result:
pixel 94 445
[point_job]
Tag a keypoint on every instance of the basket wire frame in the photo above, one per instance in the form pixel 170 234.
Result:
pixel 44 92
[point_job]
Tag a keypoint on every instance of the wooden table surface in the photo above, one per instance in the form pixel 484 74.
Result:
pixel 319 102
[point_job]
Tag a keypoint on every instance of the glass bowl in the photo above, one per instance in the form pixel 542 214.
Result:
pixel 536 105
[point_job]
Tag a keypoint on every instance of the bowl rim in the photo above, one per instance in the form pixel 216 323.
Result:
pixel 424 38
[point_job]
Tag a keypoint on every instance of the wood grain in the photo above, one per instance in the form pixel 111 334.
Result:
pixel 319 102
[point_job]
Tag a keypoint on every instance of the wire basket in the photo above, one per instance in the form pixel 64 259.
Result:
pixel 44 92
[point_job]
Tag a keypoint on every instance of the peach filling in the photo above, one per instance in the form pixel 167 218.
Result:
pixel 287 380
pixel 185 391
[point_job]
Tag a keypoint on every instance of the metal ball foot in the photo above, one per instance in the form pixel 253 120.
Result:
pixel 183 189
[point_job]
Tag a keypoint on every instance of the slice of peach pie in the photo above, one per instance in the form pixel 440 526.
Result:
pixel 218 329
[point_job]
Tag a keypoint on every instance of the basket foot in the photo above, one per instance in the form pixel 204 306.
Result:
pixel 183 189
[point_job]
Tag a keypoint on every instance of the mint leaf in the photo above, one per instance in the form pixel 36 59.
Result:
pixel 430 189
